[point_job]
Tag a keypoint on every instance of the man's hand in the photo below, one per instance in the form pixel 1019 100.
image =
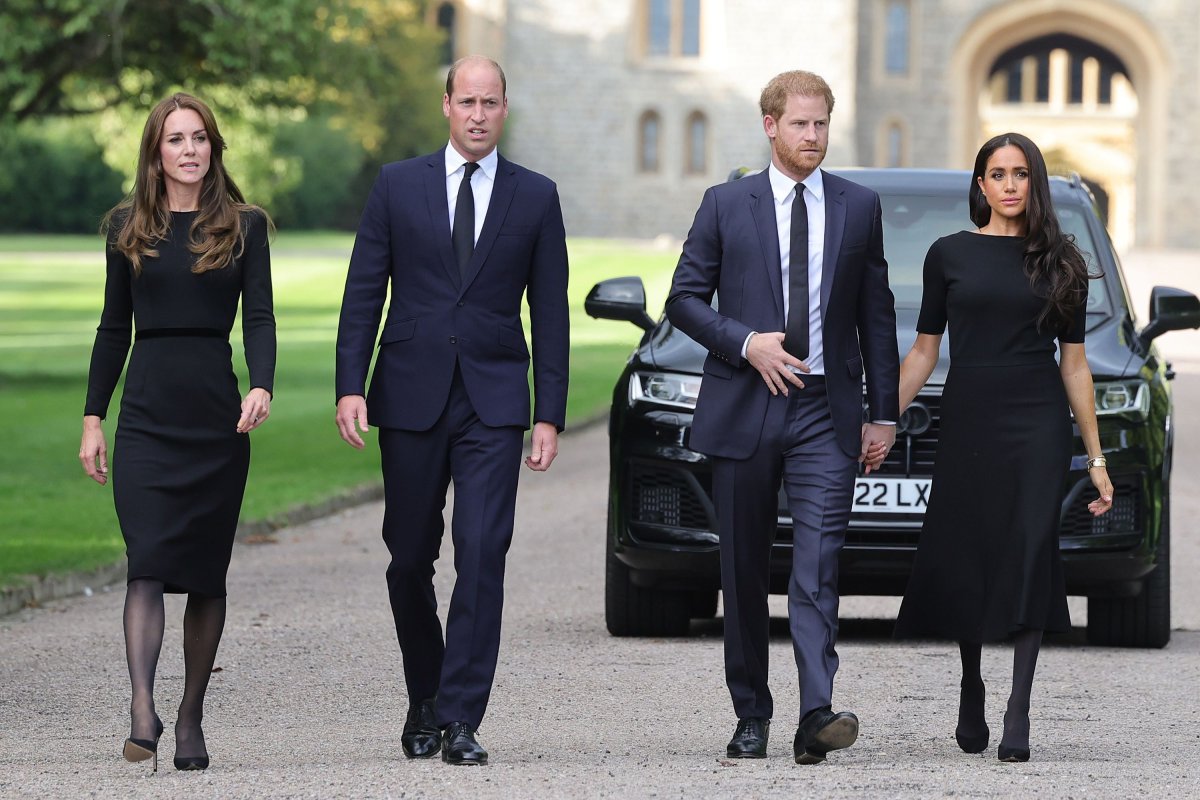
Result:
pixel 877 440
pixel 543 447
pixel 93 451
pixel 765 353
pixel 352 408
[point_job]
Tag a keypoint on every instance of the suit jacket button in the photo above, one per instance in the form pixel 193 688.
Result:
pixel 453 340
pixel 461 304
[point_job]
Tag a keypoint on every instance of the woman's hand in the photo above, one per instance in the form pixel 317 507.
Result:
pixel 255 410
pixel 93 450
pixel 1103 503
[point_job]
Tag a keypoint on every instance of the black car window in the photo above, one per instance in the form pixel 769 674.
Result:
pixel 1074 222
pixel 912 222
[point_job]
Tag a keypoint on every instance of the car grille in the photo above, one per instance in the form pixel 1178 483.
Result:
pixel 914 452
pixel 1124 517
pixel 665 496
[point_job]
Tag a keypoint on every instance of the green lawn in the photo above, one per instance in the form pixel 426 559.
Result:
pixel 53 519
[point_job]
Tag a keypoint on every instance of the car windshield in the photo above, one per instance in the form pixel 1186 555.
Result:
pixel 912 222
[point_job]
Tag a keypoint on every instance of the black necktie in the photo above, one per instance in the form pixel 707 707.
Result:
pixel 463 232
pixel 795 337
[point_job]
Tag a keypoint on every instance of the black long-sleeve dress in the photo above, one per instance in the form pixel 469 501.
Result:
pixel 988 563
pixel 178 464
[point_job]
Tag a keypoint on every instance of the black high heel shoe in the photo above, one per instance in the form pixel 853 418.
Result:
pixel 191 762
pixel 972 700
pixel 973 744
pixel 1016 728
pixel 1012 755
pixel 187 763
pixel 136 750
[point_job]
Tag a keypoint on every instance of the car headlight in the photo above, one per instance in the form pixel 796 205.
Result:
pixel 1124 398
pixel 664 388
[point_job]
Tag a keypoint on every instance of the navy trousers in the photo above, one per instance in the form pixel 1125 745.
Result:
pixel 418 466
pixel 799 447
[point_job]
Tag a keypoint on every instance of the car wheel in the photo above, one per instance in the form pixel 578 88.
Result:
pixel 1144 620
pixel 631 610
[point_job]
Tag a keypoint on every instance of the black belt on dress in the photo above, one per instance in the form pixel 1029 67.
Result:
pixel 163 333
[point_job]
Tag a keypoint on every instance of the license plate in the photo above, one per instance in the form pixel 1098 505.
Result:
pixel 891 495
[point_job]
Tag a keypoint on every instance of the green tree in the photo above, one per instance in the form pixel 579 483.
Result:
pixel 74 56
pixel 366 69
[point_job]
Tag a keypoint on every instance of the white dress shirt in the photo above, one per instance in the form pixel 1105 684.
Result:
pixel 481 184
pixel 783 189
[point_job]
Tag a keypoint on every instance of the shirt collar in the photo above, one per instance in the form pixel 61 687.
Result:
pixel 782 185
pixel 487 164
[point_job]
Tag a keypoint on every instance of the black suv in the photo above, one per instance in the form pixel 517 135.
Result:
pixel 662 560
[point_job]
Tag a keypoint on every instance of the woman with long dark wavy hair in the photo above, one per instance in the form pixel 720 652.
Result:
pixel 988 566
pixel 182 249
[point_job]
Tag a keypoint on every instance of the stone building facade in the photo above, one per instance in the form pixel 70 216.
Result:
pixel 636 106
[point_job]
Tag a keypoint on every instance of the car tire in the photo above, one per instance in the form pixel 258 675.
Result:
pixel 1144 620
pixel 631 610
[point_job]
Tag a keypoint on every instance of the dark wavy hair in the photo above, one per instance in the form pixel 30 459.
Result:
pixel 143 219
pixel 1056 268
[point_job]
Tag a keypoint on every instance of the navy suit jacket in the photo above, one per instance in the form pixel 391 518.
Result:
pixel 435 318
pixel 733 250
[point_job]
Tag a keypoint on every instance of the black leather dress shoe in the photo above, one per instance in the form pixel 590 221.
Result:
pixel 421 737
pixel 750 738
pixel 459 745
pixel 822 731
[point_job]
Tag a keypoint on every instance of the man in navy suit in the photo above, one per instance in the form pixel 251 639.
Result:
pixel 795 258
pixel 460 235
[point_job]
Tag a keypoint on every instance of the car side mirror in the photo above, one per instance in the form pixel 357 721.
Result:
pixel 1170 310
pixel 622 299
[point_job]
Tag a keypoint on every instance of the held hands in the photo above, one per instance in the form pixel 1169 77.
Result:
pixel 255 410
pixel 765 353
pixel 877 441
pixel 351 409
pixel 93 451
pixel 1103 503
pixel 543 447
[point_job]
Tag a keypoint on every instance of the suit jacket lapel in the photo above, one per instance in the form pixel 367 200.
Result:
pixel 835 225
pixel 502 195
pixel 439 212
pixel 762 209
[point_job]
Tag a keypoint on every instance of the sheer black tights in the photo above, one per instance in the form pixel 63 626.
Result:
pixel 971 722
pixel 143 622
pixel 1026 646
pixel 203 623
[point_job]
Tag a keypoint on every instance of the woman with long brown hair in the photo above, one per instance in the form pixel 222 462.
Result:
pixel 988 566
pixel 182 249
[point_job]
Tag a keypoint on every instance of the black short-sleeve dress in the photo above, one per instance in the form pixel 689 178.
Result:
pixel 988 563
pixel 178 465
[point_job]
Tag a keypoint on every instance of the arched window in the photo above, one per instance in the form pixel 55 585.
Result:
pixel 672 28
pixel 445 22
pixel 896 37
pixel 697 144
pixel 1057 69
pixel 649 134
pixel 894 146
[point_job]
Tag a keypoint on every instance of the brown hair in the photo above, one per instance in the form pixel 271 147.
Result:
pixel 1056 268
pixel 143 219
pixel 450 76
pixel 773 99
